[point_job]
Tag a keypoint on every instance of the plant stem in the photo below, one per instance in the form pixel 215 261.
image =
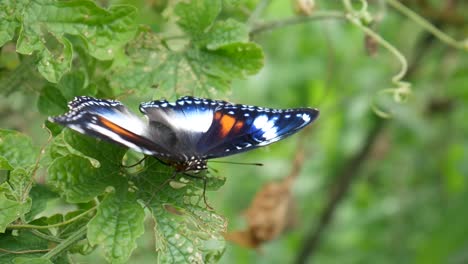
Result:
pixel 296 20
pixel 66 243
pixel 428 26
pixel 29 251
pixel 258 12
pixel 54 225
pixel 46 237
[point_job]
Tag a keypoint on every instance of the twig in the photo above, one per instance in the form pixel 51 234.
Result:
pixel 428 26
pixel 26 226
pixel 299 158
pixel 29 251
pixel 66 243
pixel 318 15
pixel 402 89
pixel 36 165
pixel 258 11
pixel 45 236
pixel 346 176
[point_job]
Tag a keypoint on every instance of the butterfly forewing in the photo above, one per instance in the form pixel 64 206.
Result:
pixel 188 118
pixel 239 128
pixel 111 121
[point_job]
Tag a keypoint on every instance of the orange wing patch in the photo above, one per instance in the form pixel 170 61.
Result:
pixel 227 122
pixel 115 128
pixel 238 126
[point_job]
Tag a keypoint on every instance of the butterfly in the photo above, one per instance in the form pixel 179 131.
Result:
pixel 186 133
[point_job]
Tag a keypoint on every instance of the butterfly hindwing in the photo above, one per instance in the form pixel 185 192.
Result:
pixel 239 128
pixel 109 120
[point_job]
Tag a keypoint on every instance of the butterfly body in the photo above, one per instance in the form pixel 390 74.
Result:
pixel 188 132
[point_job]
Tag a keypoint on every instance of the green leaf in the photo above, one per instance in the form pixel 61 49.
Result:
pixel 197 15
pixel 73 84
pixel 52 66
pixel 236 60
pixel 19 181
pixel 200 70
pixel 84 166
pixel 11 210
pixel 224 33
pixel 186 231
pixel 104 31
pixel 16 149
pixel 8 21
pixel 51 101
pixel 77 179
pixel 40 195
pixel 117 225
pixel 4 165
pixel 21 241
pixel 107 154
pixel 26 260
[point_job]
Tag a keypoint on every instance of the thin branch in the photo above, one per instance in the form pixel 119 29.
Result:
pixel 27 226
pixel 348 173
pixel 45 236
pixel 318 15
pixel 36 166
pixel 258 12
pixel 299 158
pixel 29 251
pixel 428 26
pixel 66 243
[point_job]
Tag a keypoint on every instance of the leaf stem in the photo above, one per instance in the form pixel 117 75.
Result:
pixel 29 251
pixel 66 243
pixel 296 20
pixel 36 165
pixel 258 12
pixel 428 26
pixel 46 237
pixel 26 226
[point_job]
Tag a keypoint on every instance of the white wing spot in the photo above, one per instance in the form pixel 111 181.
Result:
pixel 260 121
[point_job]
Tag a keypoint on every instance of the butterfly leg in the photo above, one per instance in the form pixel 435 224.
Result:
pixel 204 178
pixel 133 165
pixel 160 187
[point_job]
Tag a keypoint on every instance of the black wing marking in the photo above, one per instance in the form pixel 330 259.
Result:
pixel 112 121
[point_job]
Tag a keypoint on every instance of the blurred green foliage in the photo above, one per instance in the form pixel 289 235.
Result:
pixel 406 199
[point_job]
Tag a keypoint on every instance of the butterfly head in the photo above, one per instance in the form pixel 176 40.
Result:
pixel 192 164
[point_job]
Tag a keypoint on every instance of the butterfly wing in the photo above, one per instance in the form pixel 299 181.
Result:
pixel 112 121
pixel 207 128
pixel 239 128
pixel 189 118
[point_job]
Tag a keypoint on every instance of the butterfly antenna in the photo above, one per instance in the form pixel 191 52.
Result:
pixel 238 163
pixel 133 165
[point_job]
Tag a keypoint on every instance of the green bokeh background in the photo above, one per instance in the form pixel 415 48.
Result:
pixel 407 202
